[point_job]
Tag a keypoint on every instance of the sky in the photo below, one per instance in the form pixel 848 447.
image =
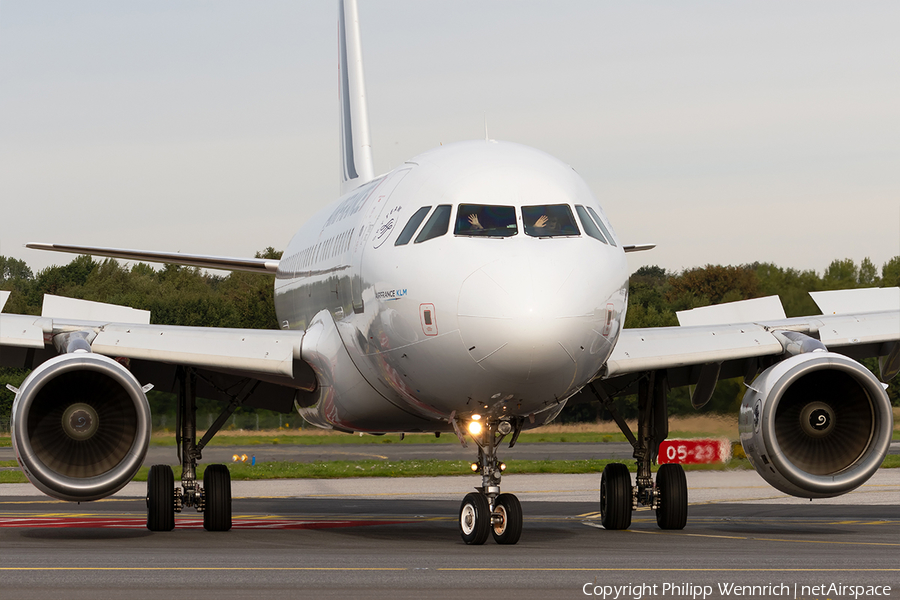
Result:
pixel 724 132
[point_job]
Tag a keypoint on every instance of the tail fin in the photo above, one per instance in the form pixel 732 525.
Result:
pixel 356 149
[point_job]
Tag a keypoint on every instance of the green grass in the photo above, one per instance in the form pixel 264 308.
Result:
pixel 416 438
pixel 353 439
pixel 410 468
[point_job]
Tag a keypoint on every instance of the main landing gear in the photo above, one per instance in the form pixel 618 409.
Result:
pixel 213 497
pixel 617 495
pixel 487 511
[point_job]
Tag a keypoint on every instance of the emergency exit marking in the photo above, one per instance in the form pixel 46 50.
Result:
pixel 428 318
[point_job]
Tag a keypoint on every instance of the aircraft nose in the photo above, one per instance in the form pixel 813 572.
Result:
pixel 519 319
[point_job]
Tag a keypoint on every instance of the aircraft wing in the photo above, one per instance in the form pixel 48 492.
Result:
pixel 225 263
pixel 247 350
pixel 224 357
pixel 874 330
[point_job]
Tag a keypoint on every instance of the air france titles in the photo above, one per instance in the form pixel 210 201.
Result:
pixel 390 294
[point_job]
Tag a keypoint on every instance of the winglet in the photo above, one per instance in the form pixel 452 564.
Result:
pixel 356 148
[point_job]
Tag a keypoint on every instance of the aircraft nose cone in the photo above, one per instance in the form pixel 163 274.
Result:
pixel 515 322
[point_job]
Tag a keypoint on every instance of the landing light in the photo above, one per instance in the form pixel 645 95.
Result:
pixel 474 466
pixel 502 466
pixel 475 427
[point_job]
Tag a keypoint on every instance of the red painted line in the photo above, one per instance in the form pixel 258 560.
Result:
pixel 184 523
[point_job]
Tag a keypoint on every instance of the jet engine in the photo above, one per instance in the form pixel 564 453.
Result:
pixel 80 426
pixel 816 425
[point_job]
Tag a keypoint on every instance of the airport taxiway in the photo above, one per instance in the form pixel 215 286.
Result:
pixel 398 538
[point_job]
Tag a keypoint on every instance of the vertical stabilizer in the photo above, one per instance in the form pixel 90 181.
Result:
pixel 356 149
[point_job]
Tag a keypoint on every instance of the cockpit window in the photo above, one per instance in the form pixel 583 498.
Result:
pixel 589 227
pixel 485 220
pixel 549 220
pixel 411 226
pixel 437 225
pixel 601 225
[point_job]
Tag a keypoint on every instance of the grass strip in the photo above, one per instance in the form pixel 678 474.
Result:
pixel 409 468
pixel 168 440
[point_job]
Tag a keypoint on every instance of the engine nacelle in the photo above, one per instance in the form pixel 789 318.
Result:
pixel 816 425
pixel 80 426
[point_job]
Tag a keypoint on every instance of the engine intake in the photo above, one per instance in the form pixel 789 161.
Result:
pixel 816 425
pixel 80 426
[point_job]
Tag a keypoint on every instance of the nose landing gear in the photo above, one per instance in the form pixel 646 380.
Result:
pixel 487 511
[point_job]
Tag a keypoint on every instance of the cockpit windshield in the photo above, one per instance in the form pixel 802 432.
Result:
pixel 549 220
pixel 485 220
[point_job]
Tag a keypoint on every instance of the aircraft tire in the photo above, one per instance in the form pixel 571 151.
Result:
pixel 217 489
pixel 160 498
pixel 615 497
pixel 509 529
pixel 474 519
pixel 673 497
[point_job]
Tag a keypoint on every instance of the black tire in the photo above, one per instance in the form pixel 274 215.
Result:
pixel 474 519
pixel 671 486
pixel 160 498
pixel 509 528
pixel 217 492
pixel 615 497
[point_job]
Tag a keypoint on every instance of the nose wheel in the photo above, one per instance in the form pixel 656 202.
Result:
pixel 475 519
pixel 487 511
pixel 506 519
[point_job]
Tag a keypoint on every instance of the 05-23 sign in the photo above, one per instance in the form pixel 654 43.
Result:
pixel 692 452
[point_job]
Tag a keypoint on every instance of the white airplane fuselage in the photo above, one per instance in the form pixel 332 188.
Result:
pixel 462 323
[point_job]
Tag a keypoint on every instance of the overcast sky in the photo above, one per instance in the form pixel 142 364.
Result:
pixel 725 132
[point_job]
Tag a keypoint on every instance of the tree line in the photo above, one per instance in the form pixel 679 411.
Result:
pixel 178 295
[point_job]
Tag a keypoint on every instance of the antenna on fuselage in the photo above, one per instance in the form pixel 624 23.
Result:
pixel 486 138
pixel 356 148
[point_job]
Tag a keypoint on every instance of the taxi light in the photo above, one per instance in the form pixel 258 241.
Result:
pixel 502 466
pixel 474 466
pixel 474 427
pixel 476 417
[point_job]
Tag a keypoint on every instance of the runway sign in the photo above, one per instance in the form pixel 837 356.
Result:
pixel 694 452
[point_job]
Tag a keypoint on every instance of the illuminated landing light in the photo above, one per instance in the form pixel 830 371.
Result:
pixel 474 466
pixel 475 428
pixel 502 466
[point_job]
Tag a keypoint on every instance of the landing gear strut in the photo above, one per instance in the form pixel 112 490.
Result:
pixel 213 498
pixel 487 511
pixel 669 496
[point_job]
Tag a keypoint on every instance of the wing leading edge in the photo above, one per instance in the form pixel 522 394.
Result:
pixel 252 265
pixel 861 335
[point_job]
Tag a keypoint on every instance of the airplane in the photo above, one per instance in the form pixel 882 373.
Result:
pixel 473 291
